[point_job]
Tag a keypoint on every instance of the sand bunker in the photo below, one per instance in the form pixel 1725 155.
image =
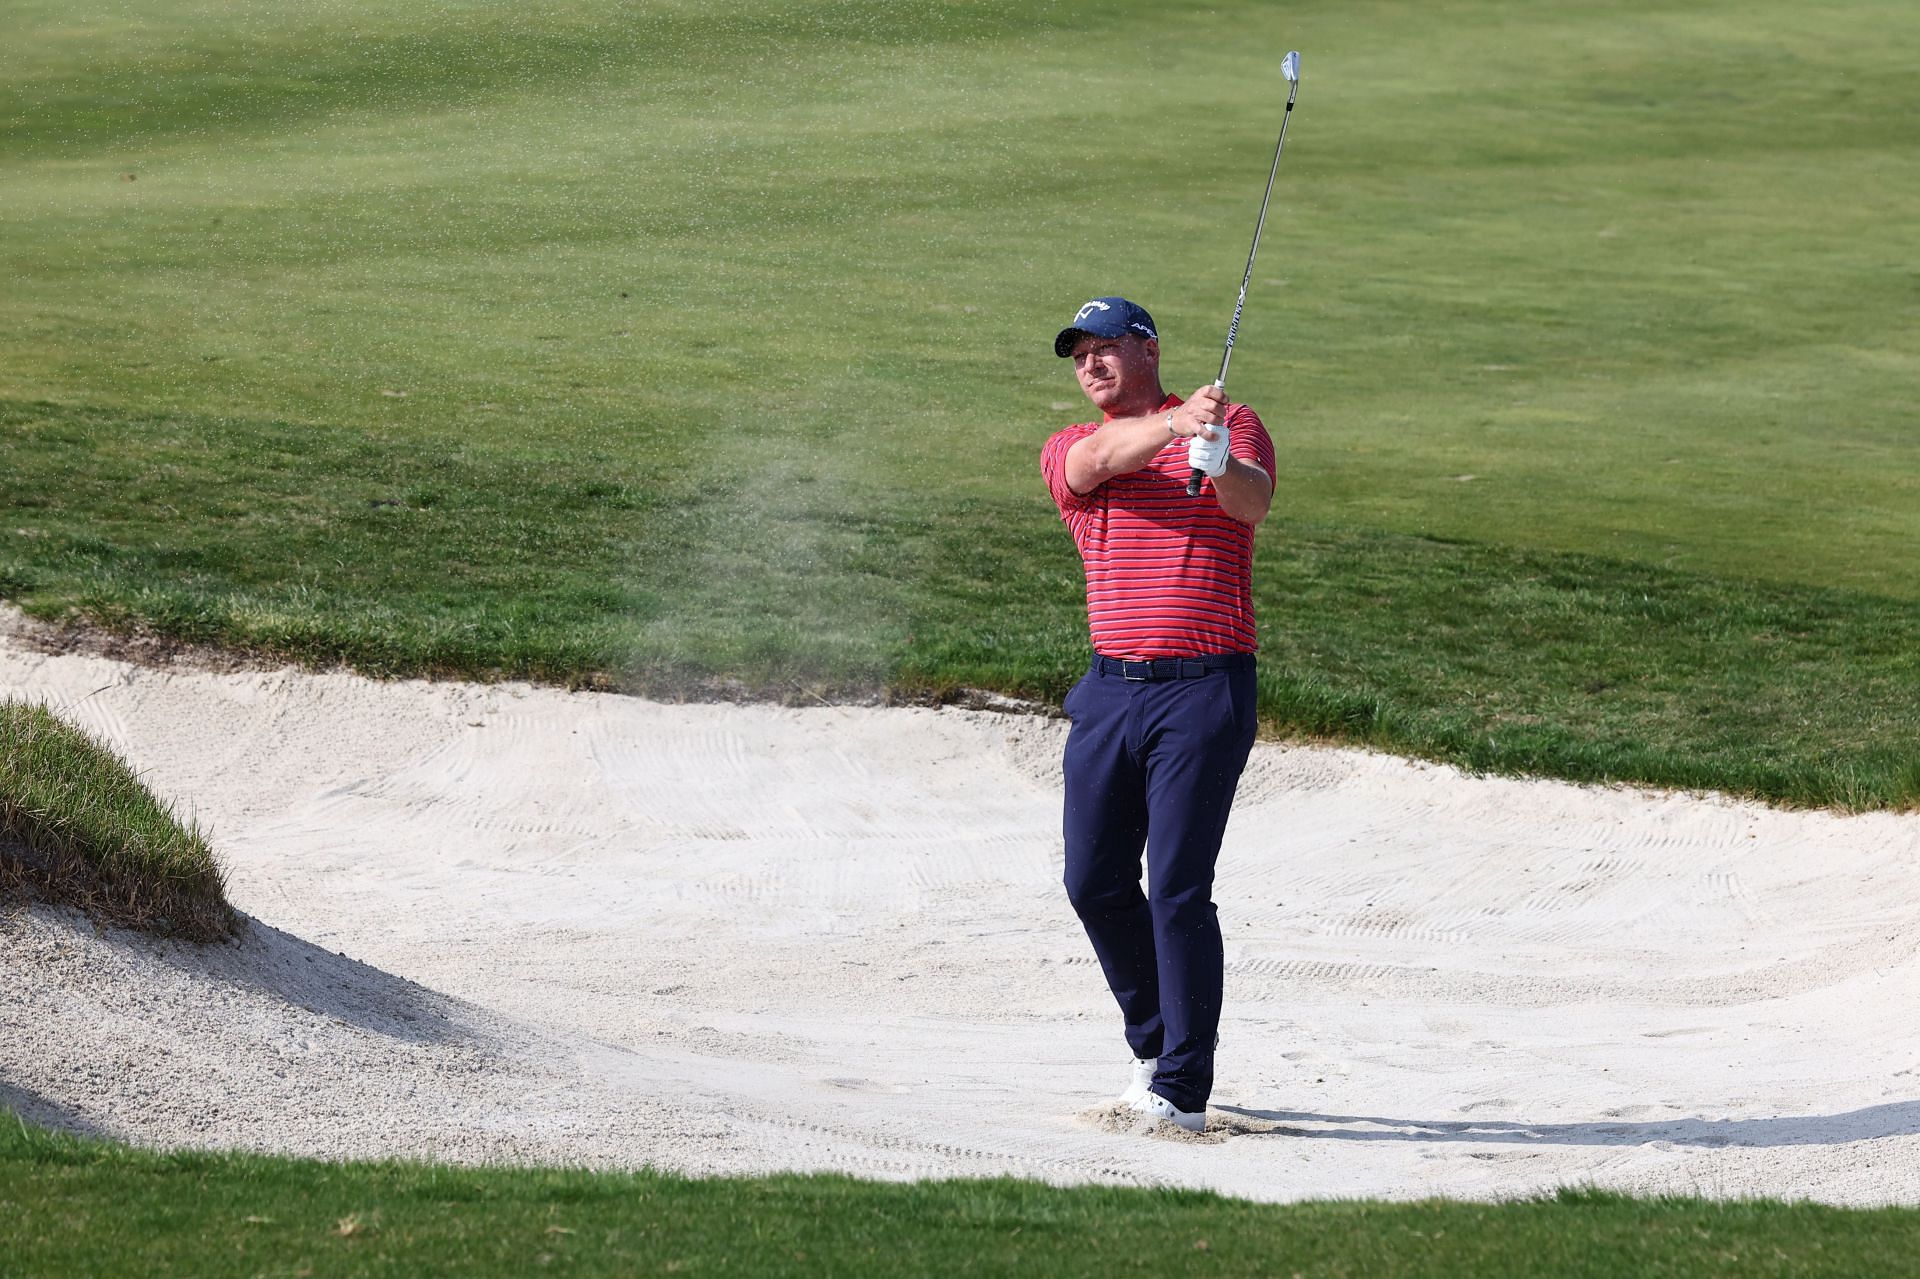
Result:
pixel 513 923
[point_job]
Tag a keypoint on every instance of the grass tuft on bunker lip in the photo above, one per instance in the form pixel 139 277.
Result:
pixel 78 827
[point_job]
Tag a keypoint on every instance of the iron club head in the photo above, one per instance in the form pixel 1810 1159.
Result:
pixel 1290 67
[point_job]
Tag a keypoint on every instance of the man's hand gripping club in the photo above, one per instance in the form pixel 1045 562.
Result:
pixel 1244 491
pixel 1127 444
pixel 1207 449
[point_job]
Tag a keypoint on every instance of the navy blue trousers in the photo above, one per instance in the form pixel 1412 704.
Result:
pixel 1152 766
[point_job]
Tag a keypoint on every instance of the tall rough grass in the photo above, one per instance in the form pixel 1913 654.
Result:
pixel 78 827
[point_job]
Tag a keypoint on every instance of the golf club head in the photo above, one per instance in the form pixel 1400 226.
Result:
pixel 1290 66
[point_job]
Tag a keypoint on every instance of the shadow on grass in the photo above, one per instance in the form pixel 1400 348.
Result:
pixel 1895 1119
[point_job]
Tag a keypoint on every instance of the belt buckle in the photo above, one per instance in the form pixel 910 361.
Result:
pixel 1128 668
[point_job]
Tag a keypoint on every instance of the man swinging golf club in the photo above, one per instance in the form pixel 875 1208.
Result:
pixel 1162 497
pixel 1164 718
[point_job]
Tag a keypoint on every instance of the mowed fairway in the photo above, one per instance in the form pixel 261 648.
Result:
pixel 651 346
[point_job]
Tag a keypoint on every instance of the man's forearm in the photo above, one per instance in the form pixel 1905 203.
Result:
pixel 1244 492
pixel 1117 448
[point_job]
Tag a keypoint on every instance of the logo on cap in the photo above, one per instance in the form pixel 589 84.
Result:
pixel 1108 317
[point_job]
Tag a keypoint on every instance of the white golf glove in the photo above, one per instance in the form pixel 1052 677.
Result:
pixel 1209 456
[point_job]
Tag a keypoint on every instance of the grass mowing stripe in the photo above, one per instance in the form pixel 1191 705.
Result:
pixel 177 69
pixel 79 1206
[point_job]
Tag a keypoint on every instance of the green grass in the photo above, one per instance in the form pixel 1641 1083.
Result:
pixel 1501 659
pixel 77 826
pixel 677 346
pixel 72 1206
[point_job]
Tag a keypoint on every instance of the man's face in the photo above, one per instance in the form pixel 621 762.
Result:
pixel 1117 372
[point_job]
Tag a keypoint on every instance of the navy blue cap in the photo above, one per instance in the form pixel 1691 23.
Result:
pixel 1105 318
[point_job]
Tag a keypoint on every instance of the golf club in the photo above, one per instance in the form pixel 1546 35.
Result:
pixel 1290 68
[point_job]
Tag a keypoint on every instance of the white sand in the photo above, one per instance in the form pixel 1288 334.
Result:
pixel 513 923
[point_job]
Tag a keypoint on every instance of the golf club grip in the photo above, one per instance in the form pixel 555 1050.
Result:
pixel 1194 479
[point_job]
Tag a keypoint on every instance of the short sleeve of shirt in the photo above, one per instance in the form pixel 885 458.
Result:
pixel 1250 441
pixel 1053 466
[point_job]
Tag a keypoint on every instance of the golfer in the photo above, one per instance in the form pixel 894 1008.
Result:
pixel 1164 718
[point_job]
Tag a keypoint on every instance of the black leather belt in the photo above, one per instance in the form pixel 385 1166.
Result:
pixel 1173 667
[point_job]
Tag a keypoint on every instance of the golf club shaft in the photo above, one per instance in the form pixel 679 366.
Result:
pixel 1233 329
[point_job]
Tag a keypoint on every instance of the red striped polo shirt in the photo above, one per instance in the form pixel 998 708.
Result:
pixel 1167 575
